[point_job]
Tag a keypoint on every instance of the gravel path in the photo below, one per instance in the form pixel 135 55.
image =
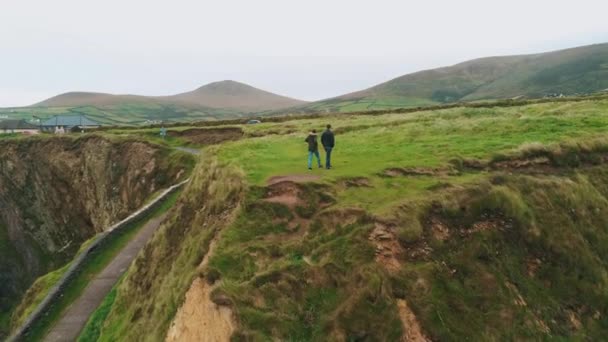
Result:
pixel 75 317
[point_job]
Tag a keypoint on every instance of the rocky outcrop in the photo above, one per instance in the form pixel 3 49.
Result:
pixel 55 193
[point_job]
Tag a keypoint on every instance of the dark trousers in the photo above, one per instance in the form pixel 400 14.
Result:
pixel 327 156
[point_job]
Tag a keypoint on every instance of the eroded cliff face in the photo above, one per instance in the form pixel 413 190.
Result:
pixel 55 193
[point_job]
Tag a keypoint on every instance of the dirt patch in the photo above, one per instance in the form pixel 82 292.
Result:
pixel 418 171
pixel 522 163
pixel 355 182
pixel 575 322
pixel 439 230
pixel 411 326
pixel 519 300
pixel 208 136
pixel 388 249
pixel 532 266
pixel 293 178
pixel 284 192
pixel 200 319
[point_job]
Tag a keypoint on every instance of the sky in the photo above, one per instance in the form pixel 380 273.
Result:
pixel 310 50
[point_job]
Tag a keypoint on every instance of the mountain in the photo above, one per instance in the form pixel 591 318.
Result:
pixel 234 95
pixel 78 98
pixel 229 95
pixel 571 71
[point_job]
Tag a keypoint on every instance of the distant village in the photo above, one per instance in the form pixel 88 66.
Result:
pixel 58 124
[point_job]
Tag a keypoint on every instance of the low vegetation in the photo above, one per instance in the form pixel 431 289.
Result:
pixel 452 224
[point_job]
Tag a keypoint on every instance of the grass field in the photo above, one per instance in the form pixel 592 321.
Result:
pixel 488 222
pixel 368 144
pixel 125 114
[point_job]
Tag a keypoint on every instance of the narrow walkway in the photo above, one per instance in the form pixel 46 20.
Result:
pixel 75 317
pixel 190 150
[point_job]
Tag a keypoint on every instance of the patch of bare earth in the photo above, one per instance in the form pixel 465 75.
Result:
pixel 532 266
pixel 418 171
pixel 355 182
pixel 525 163
pixel 293 178
pixel 208 136
pixel 411 326
pixel 388 249
pixel 439 229
pixel 284 192
pixel 200 318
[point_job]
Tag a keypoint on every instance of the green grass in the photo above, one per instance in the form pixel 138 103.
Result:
pixel 95 264
pixel 309 272
pixel 92 329
pixel 125 114
pixel 419 139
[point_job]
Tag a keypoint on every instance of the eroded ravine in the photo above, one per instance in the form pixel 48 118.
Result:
pixel 58 192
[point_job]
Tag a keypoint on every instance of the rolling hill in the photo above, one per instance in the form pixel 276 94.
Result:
pixel 214 101
pixel 234 95
pixel 578 70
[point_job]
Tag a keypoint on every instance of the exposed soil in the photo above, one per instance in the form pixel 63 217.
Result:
pixel 522 163
pixel 293 178
pixel 388 249
pixel 208 136
pixel 418 171
pixel 355 182
pixel 535 165
pixel 411 326
pixel 284 192
pixel 519 300
pixel 200 319
pixel 532 266
pixel 439 230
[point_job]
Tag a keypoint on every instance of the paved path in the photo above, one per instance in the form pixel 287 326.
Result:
pixel 188 150
pixel 75 317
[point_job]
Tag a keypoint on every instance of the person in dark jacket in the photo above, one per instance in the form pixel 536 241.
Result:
pixel 328 142
pixel 313 148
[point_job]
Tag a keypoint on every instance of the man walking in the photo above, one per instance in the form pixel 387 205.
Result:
pixel 313 148
pixel 327 139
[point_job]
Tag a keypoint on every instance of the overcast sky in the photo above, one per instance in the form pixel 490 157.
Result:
pixel 310 49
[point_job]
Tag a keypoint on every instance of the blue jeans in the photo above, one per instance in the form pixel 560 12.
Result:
pixel 327 156
pixel 310 154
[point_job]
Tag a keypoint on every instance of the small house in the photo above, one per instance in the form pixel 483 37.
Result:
pixel 74 123
pixel 18 126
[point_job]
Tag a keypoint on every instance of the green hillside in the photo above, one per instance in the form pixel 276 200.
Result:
pixel 126 113
pixel 214 101
pixel 580 70
pixel 481 224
